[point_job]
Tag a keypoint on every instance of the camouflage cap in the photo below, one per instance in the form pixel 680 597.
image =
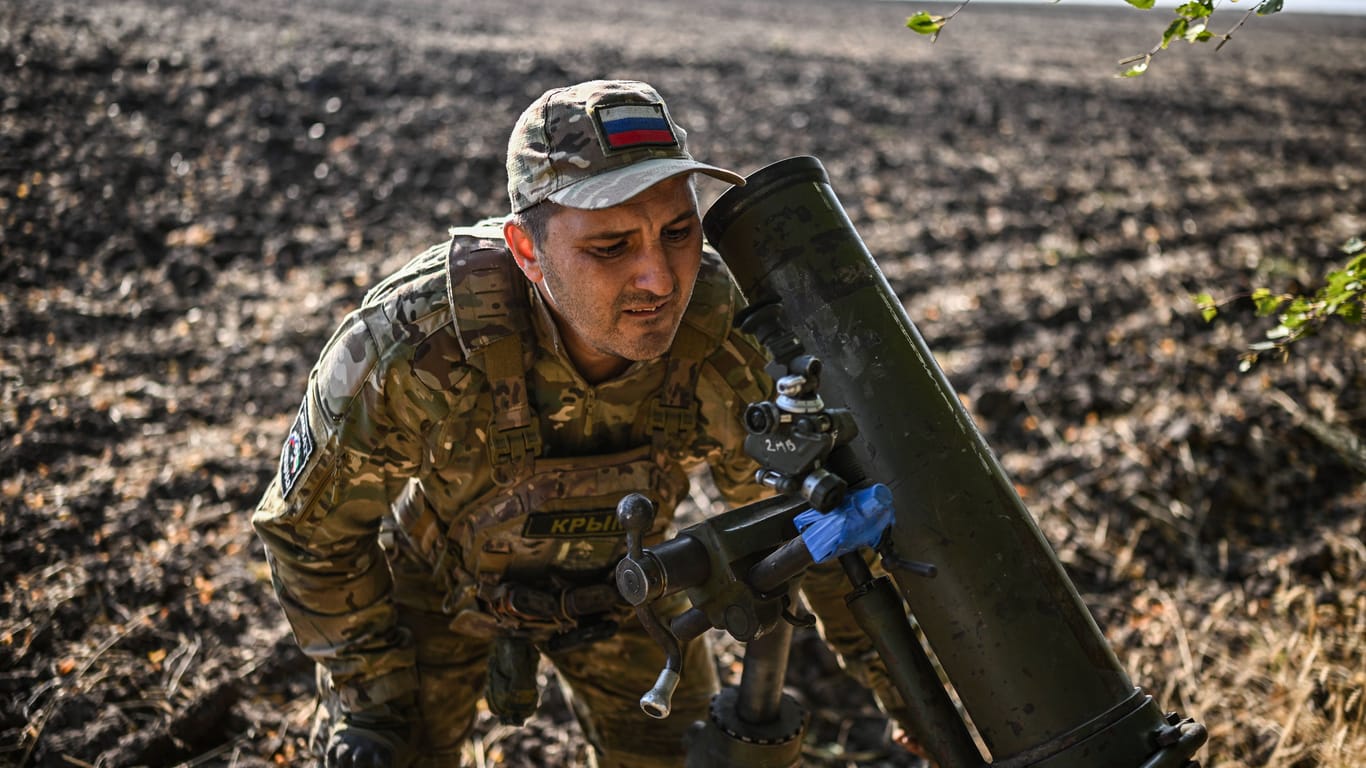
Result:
pixel 595 145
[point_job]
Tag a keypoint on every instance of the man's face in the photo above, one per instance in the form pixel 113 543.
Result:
pixel 619 279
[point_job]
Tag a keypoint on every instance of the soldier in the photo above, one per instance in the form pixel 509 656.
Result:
pixel 443 515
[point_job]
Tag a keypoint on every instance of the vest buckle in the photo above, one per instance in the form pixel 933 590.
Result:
pixel 514 445
pixel 670 421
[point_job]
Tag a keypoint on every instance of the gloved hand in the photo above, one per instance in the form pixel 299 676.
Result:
pixel 357 744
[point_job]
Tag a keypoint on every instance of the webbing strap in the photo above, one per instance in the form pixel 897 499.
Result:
pixel 515 436
pixel 488 300
pixel 673 415
pixel 487 296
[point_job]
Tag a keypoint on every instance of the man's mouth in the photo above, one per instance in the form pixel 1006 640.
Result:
pixel 646 311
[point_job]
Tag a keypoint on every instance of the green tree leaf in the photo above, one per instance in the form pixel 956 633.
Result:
pixel 1174 30
pixel 1209 309
pixel 925 24
pixel 1198 34
pixel 1144 4
pixel 1299 307
pixel 1267 302
pixel 1196 9
pixel 1269 7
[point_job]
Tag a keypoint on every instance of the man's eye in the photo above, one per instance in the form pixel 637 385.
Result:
pixel 678 234
pixel 610 250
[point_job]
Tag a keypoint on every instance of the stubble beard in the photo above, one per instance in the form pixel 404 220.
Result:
pixel 601 328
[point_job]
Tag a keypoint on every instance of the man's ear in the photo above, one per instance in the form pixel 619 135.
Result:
pixel 523 251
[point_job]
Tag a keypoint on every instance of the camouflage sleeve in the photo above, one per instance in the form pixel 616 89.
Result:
pixel 345 458
pixel 733 377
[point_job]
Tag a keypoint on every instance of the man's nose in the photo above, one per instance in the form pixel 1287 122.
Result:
pixel 653 272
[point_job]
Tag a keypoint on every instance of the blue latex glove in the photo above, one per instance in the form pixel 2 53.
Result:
pixel 857 522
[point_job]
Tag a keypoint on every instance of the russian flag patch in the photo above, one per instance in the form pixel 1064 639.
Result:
pixel 635 125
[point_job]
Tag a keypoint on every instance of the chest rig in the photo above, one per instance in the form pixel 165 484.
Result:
pixel 533 555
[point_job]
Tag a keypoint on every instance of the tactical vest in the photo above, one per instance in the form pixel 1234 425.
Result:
pixel 533 556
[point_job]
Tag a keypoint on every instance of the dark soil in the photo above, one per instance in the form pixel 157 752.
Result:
pixel 192 198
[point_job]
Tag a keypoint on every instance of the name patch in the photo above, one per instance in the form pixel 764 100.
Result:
pixel 298 447
pixel 572 525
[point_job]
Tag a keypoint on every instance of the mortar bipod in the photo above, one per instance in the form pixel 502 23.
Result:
pixel 740 570
pixel 756 724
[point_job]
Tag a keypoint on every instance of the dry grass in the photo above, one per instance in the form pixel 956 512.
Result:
pixel 1277 675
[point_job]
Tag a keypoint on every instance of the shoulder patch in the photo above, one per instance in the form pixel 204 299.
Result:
pixel 298 448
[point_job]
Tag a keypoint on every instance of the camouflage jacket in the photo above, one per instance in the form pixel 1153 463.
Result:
pixel 394 400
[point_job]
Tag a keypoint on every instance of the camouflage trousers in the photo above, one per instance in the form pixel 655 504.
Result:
pixel 602 681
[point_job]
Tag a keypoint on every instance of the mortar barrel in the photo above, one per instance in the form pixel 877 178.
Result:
pixel 1029 663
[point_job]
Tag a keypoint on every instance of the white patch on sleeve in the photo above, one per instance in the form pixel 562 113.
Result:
pixel 298 448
